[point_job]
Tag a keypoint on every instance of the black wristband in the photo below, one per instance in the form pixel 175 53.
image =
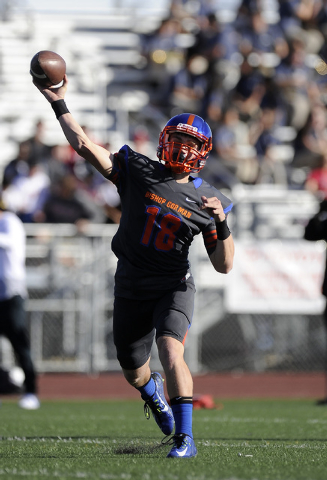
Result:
pixel 223 231
pixel 59 107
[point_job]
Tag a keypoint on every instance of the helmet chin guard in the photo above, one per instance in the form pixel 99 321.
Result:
pixel 179 157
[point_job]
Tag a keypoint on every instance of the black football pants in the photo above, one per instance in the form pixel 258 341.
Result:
pixel 13 326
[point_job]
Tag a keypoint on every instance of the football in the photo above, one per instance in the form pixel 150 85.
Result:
pixel 47 68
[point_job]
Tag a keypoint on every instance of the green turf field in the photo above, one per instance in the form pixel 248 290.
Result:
pixel 113 440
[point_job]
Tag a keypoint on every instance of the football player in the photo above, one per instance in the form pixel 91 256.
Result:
pixel 163 208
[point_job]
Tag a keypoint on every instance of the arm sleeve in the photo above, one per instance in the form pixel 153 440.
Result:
pixel 210 238
pixel 209 233
pixel 120 167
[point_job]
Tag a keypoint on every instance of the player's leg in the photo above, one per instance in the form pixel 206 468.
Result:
pixel 178 375
pixel 152 392
pixel 174 315
pixel 138 377
pixel 133 337
pixel 180 391
pixel 17 334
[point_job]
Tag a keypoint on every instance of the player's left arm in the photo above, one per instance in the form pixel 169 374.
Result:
pixel 223 256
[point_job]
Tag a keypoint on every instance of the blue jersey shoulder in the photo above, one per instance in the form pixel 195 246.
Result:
pixel 209 191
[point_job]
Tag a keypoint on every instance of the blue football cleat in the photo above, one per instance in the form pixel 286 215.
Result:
pixel 183 446
pixel 159 407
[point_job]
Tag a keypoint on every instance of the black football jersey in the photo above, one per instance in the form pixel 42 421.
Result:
pixel 160 218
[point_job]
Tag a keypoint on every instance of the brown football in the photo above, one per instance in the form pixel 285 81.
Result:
pixel 47 68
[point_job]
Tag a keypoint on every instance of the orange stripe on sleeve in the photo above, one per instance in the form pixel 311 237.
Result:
pixel 212 233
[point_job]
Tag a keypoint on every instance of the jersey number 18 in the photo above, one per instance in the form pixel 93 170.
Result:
pixel 167 224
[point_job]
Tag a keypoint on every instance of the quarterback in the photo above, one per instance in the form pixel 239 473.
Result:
pixel 163 208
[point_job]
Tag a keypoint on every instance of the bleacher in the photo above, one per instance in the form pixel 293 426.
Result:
pixel 107 84
pixel 100 49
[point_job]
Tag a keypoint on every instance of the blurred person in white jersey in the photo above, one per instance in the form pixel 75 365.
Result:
pixel 13 293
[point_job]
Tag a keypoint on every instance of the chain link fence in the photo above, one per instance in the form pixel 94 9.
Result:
pixel 70 277
pixel 69 309
pixel 257 343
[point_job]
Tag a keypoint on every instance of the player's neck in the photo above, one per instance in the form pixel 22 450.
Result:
pixel 181 177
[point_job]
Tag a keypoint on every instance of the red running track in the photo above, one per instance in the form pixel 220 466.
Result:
pixel 220 386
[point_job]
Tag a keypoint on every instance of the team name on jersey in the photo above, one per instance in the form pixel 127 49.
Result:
pixel 173 206
pixel 155 197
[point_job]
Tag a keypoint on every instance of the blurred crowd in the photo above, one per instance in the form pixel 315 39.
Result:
pixel 258 77
pixel 52 184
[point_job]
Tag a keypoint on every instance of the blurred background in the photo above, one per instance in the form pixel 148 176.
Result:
pixel 255 71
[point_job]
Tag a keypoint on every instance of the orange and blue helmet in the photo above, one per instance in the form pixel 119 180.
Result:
pixel 179 157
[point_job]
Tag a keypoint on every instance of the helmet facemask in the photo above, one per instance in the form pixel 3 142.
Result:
pixel 180 157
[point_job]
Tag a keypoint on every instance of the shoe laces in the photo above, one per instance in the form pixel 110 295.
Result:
pixel 177 440
pixel 151 405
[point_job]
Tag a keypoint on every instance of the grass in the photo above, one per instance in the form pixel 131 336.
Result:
pixel 259 440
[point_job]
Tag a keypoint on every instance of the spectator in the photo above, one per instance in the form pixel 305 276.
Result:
pixel 316 181
pixel 216 102
pixel 260 36
pixel 208 39
pixel 164 57
pixel 232 144
pixel 298 14
pixel 18 167
pixel 190 85
pixel 164 38
pixel 68 204
pixel 39 150
pixel 249 91
pixel 311 141
pixel 271 170
pixel 290 20
pixel 295 79
pixel 57 165
pixel 25 197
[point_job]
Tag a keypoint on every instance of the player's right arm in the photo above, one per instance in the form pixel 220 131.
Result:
pixel 98 156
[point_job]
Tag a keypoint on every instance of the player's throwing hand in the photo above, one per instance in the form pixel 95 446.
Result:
pixel 53 94
pixel 214 207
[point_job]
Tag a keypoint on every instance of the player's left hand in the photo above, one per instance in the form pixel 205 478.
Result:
pixel 214 207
